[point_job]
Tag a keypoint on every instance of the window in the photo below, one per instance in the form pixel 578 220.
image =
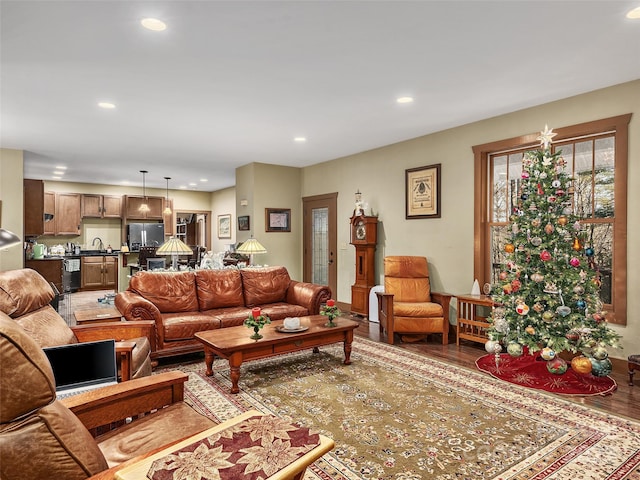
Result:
pixel 596 154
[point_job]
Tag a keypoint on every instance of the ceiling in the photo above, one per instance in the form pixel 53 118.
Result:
pixel 231 83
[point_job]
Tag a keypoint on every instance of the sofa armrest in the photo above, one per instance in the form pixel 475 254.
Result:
pixel 119 331
pixel 308 295
pixel 115 403
pixel 135 307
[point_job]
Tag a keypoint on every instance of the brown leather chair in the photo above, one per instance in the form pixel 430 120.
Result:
pixel 408 306
pixel 25 296
pixel 42 437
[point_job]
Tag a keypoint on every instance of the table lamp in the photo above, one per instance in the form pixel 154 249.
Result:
pixel 174 247
pixel 251 247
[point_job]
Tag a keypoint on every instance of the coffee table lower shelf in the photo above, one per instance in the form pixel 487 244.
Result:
pixel 234 344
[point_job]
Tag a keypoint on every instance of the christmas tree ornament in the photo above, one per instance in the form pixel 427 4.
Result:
pixel 552 199
pixel 533 207
pixel 600 368
pixel 536 222
pixel 509 248
pixel 548 316
pixel 515 285
pixel 506 289
pixel 577 226
pixel 581 365
pixel 589 252
pixel 501 325
pixel 563 220
pixel 503 275
pixel 548 353
pixel 574 262
pixel 578 289
pixel 567 210
pixel 557 366
pixel 545 256
pixel 600 353
pixel 538 307
pixel 524 174
pixel 598 317
pixel 540 190
pixel 581 304
pixel 572 336
pixel 550 287
pixel 515 349
pixel 556 183
pixel 563 310
pixel 522 309
pixel 577 246
pixel 549 229
pixel 560 192
pixel 530 330
pixel 536 241
pixel 537 277
pixel 492 346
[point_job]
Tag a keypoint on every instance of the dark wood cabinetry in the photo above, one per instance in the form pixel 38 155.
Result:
pixel 33 191
pixel 67 219
pixel 101 206
pixel 99 272
pixel 50 208
pixel 133 203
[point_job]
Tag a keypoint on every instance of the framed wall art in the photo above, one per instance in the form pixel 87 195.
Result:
pixel 224 226
pixel 423 192
pixel 277 219
pixel 243 223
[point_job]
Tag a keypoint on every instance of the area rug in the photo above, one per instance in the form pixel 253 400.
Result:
pixel 396 415
pixel 531 371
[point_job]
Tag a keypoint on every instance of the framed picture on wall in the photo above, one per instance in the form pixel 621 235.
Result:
pixel 243 223
pixel 422 192
pixel 224 226
pixel 277 219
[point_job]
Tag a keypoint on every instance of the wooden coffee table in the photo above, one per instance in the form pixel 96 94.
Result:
pixel 99 314
pixel 234 344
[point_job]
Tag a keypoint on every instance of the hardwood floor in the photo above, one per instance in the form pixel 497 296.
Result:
pixel 624 401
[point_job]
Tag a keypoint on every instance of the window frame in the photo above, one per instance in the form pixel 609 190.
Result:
pixel 481 231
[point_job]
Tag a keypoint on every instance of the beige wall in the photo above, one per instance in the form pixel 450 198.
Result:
pixel 11 168
pixel 448 241
pixel 223 202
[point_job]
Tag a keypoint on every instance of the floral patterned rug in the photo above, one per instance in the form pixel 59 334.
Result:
pixel 398 415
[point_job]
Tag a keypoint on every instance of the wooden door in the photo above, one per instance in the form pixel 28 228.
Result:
pixel 320 236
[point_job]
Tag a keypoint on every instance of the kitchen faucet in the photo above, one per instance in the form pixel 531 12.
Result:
pixel 101 245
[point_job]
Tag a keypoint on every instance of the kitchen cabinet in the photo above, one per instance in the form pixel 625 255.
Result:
pixel 50 208
pixel 101 206
pixel 33 191
pixel 67 218
pixel 99 272
pixel 132 207
pixel 50 269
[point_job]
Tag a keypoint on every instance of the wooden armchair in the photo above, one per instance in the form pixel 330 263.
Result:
pixel 25 296
pixel 42 437
pixel 408 306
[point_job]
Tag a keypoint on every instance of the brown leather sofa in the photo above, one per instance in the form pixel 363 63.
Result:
pixel 42 437
pixel 25 296
pixel 184 303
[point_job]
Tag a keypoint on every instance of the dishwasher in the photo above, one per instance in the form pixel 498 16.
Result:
pixel 71 278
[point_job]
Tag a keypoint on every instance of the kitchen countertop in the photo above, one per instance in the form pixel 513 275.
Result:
pixel 83 253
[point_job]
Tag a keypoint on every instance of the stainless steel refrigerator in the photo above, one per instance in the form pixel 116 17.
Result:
pixel 144 235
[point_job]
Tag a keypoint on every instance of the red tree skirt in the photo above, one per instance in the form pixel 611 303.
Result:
pixel 531 371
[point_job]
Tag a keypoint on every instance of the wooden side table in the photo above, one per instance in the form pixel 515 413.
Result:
pixel 470 325
pixel 100 314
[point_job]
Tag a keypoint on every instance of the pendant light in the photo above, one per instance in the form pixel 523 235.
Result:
pixel 144 207
pixel 167 209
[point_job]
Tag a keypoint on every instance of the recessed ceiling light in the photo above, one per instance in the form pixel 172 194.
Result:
pixel 56 178
pixel 204 180
pixel 153 24
pixel 193 184
pixel 58 172
pixel 107 105
pixel 404 100
pixel 300 139
pixel 182 187
pixel 60 167
pixel 125 182
pixel 634 14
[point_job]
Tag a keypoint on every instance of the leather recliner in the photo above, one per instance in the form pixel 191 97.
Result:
pixel 408 306
pixel 25 296
pixel 42 437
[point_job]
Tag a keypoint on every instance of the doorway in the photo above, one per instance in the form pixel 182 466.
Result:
pixel 320 240
pixel 193 227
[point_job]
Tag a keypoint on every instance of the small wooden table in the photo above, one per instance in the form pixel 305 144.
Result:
pixel 99 314
pixel 234 344
pixel 470 325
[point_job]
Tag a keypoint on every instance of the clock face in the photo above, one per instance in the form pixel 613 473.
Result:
pixel 361 231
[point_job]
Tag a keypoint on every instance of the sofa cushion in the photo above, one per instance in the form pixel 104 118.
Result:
pixel 169 292
pixel 184 326
pixel 230 316
pixel 264 285
pixel 280 310
pixel 219 289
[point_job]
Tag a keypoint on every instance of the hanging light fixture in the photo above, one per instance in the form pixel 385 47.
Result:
pixel 167 209
pixel 144 207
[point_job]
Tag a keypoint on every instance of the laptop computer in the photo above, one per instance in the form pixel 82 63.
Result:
pixel 80 367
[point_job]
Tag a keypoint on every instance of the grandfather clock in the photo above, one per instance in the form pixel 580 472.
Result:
pixel 364 236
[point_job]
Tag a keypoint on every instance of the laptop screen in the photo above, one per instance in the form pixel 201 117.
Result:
pixel 82 364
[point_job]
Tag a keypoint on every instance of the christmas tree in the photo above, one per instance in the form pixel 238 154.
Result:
pixel 547 297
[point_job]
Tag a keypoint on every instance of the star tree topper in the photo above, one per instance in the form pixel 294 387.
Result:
pixel 546 136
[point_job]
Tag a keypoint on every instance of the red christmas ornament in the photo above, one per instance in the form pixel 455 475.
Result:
pixel 574 262
pixel 545 256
